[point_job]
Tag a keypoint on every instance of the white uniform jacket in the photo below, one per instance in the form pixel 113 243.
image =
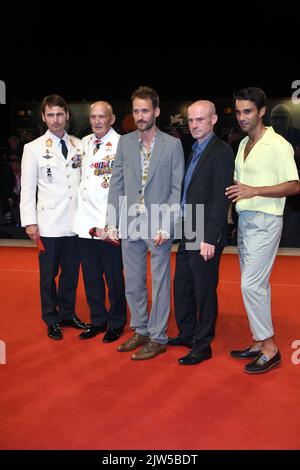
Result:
pixel 96 174
pixel 49 184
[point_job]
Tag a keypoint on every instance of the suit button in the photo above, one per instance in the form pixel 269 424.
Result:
pixel 69 187
pixel 68 176
pixel 70 197
pixel 140 191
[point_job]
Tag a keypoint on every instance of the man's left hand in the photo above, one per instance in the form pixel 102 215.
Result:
pixel 240 191
pixel 207 251
pixel 161 237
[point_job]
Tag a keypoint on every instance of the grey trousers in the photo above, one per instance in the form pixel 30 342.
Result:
pixel 134 254
pixel 258 239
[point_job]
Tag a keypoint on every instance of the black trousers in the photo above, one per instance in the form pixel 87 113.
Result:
pixel 102 259
pixel 58 302
pixel 195 296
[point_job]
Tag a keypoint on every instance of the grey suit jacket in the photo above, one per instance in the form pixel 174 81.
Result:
pixel 162 189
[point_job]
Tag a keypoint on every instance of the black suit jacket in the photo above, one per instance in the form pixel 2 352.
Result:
pixel 213 173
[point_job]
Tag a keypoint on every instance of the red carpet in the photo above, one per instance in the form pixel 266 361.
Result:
pixel 84 395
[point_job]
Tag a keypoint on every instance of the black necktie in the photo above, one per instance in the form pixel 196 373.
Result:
pixel 64 148
pixel 97 143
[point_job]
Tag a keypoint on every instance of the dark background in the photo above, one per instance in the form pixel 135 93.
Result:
pixel 177 75
pixel 186 51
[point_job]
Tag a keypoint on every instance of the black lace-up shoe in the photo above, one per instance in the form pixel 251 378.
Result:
pixel 54 331
pixel 74 322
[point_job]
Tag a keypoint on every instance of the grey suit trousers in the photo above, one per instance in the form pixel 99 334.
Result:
pixel 134 254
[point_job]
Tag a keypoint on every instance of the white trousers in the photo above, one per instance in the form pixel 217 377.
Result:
pixel 258 239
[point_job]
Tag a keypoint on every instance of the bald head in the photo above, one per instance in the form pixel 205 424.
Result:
pixel 281 109
pixel 281 118
pixel 101 118
pixel 201 119
pixel 203 105
pixel 101 105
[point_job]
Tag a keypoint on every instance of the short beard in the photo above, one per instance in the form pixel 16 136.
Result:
pixel 148 126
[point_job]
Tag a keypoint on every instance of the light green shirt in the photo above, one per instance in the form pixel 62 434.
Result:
pixel 270 162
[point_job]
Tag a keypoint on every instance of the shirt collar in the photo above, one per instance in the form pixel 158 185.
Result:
pixel 268 136
pixel 266 139
pixel 201 147
pixel 152 143
pixel 104 138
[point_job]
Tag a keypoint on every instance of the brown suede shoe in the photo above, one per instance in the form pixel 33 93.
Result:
pixel 150 350
pixel 132 343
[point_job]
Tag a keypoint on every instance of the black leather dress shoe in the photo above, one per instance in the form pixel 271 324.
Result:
pixel 112 334
pixel 177 341
pixel 75 323
pixel 193 358
pixel 262 364
pixel 245 353
pixel 92 331
pixel 54 331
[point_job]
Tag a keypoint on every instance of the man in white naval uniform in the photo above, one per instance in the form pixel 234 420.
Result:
pixel 99 258
pixel 51 172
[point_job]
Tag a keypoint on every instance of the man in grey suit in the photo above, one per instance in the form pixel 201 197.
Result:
pixel 143 205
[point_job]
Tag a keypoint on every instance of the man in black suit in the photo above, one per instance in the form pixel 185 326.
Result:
pixel 209 171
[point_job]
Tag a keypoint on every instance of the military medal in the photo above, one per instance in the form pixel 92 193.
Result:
pixel 102 168
pixel 77 159
pixel 105 182
pixel 49 174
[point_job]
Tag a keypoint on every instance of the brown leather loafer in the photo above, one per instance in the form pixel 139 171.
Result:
pixel 132 343
pixel 150 350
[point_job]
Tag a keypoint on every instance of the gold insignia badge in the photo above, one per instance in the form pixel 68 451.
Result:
pixel 109 158
pixel 49 142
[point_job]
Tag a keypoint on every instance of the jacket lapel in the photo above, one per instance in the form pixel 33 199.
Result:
pixel 156 154
pixel 136 157
pixel 89 149
pixel 72 149
pixel 203 158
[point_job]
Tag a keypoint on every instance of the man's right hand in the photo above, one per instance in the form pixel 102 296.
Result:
pixel 33 232
pixel 101 233
pixel 112 235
